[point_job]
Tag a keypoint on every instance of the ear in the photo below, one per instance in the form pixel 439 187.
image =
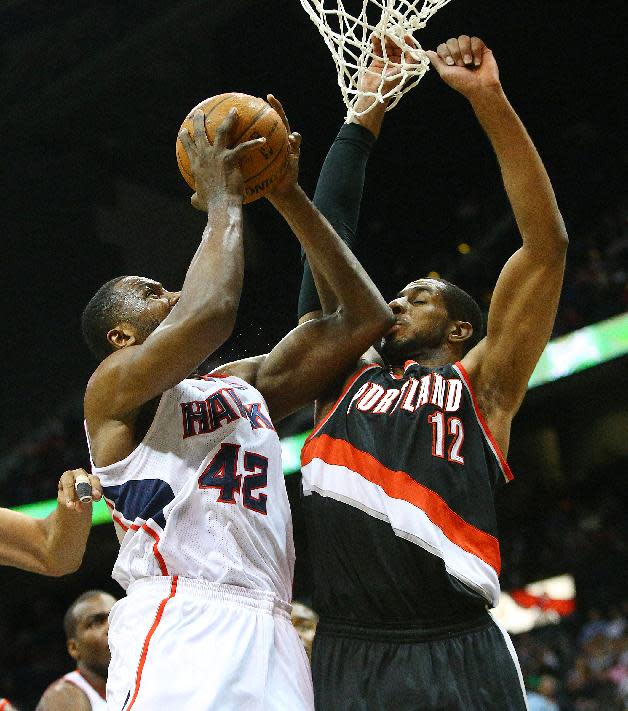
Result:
pixel 73 649
pixel 460 331
pixel 122 335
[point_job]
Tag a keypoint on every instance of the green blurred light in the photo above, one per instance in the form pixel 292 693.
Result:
pixel 585 348
pixel 41 509
pixel 582 349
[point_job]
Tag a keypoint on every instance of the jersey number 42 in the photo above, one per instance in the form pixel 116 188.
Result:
pixel 222 473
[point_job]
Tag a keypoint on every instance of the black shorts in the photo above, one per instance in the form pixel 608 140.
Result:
pixel 469 666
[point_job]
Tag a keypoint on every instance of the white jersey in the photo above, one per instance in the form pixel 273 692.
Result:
pixel 203 495
pixel 97 701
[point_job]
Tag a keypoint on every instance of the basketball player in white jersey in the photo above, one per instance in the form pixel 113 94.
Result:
pixel 191 467
pixel 53 545
pixel 86 624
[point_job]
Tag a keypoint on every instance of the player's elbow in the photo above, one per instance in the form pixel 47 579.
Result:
pixel 561 238
pixel 56 566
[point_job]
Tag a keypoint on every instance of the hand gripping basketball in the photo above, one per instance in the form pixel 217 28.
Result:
pixel 255 119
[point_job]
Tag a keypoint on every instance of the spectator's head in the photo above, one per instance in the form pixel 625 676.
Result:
pixel 86 624
pixel 547 686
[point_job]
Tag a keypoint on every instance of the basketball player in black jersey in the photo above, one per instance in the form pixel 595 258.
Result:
pixel 400 471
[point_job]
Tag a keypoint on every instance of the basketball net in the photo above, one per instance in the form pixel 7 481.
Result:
pixel 348 37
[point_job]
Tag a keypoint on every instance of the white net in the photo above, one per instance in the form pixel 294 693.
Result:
pixel 347 28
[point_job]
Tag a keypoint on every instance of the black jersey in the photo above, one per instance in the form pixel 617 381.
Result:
pixel 399 484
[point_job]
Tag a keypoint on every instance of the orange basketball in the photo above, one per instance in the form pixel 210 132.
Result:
pixel 262 166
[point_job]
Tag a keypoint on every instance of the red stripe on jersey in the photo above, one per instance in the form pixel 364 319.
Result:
pixel 489 435
pixel 153 534
pixel 400 485
pixel 160 560
pixel 348 385
pixel 3 704
pixel 115 517
pixel 151 632
pixel 100 693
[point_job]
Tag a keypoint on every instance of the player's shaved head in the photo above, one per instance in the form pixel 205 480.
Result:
pixel 71 619
pixel 118 301
pixel 103 312
pixel 462 307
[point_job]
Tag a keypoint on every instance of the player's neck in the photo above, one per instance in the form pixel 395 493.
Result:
pixel 96 680
pixel 429 358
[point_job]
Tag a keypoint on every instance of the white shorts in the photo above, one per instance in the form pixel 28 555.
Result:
pixel 184 644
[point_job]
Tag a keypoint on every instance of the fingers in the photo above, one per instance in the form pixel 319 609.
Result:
pixel 477 50
pixel 462 51
pixel 198 127
pixel 295 143
pixel 444 55
pixel 197 203
pixel 247 146
pixel 96 487
pixel 184 137
pixel 453 48
pixel 276 104
pixel 223 132
pixel 437 61
pixel 67 491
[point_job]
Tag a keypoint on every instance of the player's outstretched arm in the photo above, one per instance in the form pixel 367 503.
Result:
pixel 340 184
pixel 524 303
pixel 204 314
pixel 54 545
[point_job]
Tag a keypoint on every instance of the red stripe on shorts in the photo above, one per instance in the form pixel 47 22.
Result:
pixel 151 632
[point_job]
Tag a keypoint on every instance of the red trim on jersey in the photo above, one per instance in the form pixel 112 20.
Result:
pixel 135 527
pixel 151 632
pixel 153 534
pixel 76 686
pixel 489 435
pixel 116 517
pixel 345 390
pixel 3 704
pixel 160 560
pixel 100 693
pixel 400 485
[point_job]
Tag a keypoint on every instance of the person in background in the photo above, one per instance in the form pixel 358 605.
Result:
pixel 86 624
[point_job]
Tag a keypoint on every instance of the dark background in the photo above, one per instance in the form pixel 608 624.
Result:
pixel 92 95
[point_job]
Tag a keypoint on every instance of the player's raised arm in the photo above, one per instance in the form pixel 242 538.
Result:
pixel 525 299
pixel 315 355
pixel 194 322
pixel 340 184
pixel 53 545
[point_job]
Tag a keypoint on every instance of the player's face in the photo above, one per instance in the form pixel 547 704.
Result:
pixel 421 320
pixel 146 303
pixel 92 625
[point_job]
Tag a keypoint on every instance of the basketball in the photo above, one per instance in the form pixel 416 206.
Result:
pixel 262 166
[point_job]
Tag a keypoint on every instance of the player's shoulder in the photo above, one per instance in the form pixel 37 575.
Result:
pixel 246 369
pixel 104 380
pixel 62 695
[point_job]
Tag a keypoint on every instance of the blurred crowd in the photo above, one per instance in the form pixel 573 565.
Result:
pixel 578 667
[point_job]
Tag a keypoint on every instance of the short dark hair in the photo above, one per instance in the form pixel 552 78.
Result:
pixel 101 314
pixel 463 307
pixel 69 619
